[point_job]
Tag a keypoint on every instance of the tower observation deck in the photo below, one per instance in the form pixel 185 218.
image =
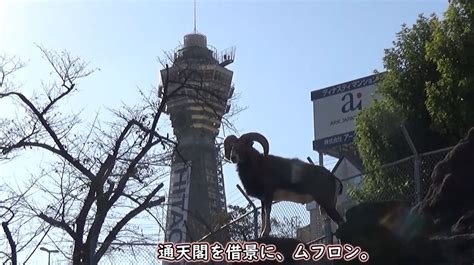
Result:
pixel 201 87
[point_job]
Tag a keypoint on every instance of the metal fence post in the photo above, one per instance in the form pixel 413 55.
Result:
pixel 255 211
pixel 327 220
pixel 416 163
pixel 417 174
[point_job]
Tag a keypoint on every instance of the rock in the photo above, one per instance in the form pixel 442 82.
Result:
pixel 464 225
pixel 382 229
pixel 458 249
pixel 450 194
pixel 439 230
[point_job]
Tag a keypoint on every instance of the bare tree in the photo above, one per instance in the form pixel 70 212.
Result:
pixel 101 177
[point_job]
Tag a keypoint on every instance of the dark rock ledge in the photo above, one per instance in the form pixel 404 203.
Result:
pixel 439 230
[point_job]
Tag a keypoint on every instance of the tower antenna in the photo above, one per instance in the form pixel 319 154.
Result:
pixel 194 16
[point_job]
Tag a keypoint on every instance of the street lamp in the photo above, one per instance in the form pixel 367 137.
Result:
pixel 49 253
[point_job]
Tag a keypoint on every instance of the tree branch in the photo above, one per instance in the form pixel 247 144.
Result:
pixel 51 132
pixel 147 203
pixel 59 224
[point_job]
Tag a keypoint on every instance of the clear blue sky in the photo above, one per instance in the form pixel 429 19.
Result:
pixel 285 50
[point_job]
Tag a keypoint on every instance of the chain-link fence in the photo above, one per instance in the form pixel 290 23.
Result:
pixel 428 161
pixel 407 180
pixel 392 181
pixel 135 253
pixel 286 219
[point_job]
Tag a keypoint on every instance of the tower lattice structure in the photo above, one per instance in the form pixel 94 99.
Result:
pixel 199 87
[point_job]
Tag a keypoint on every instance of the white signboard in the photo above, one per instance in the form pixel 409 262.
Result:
pixel 336 107
pixel 178 197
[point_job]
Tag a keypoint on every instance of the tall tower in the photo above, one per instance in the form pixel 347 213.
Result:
pixel 200 86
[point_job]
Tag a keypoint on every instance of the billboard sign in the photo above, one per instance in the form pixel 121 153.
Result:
pixel 178 198
pixel 336 107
